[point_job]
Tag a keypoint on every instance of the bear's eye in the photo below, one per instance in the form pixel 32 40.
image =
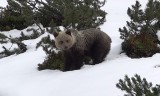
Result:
pixel 67 41
pixel 60 42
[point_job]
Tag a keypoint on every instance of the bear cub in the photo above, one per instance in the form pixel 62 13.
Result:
pixel 75 45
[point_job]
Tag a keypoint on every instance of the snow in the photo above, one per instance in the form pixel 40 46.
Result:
pixel 3 3
pixel 17 33
pixel 19 75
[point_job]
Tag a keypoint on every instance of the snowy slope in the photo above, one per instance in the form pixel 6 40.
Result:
pixel 3 3
pixel 19 75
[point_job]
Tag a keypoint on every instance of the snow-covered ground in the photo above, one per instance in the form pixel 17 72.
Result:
pixel 3 3
pixel 19 75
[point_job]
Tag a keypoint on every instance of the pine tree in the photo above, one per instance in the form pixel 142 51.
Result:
pixel 54 60
pixel 3 38
pixel 79 14
pixel 15 16
pixel 7 52
pixel 140 39
pixel 142 21
pixel 135 86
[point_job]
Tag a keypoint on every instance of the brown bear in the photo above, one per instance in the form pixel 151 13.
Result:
pixel 75 45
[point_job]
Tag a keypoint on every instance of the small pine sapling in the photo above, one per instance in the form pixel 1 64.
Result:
pixel 140 39
pixel 3 38
pixel 136 86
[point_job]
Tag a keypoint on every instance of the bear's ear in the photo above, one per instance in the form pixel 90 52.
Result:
pixel 68 32
pixel 55 34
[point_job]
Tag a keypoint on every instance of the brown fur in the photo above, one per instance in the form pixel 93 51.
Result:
pixel 91 42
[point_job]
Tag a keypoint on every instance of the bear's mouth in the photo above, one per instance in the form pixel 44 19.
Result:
pixel 65 47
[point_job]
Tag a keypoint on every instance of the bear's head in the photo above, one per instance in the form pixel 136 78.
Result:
pixel 64 40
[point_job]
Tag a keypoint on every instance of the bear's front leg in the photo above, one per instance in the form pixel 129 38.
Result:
pixel 73 60
pixel 77 59
pixel 68 61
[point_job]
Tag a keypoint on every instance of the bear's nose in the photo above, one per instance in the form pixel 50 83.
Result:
pixel 65 47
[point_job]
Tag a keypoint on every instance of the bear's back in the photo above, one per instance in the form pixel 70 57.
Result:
pixel 86 38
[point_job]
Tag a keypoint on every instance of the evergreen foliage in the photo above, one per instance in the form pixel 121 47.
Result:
pixel 79 14
pixel 47 44
pixel 140 39
pixel 135 86
pixel 19 41
pixel 22 47
pixel 34 35
pixel 13 17
pixel 53 61
pixel 7 52
pixel 3 38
